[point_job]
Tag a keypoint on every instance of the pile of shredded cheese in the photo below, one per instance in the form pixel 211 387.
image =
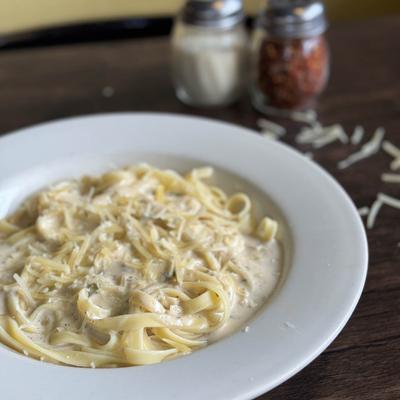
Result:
pixel 319 136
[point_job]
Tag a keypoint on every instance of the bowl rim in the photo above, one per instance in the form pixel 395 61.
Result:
pixel 252 380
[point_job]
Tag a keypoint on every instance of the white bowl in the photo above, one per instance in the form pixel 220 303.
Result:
pixel 324 239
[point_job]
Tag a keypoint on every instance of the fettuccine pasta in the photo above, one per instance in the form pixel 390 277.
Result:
pixel 132 267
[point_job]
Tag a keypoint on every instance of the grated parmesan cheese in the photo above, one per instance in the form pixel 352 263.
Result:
pixel 363 211
pixel 357 135
pixel 376 206
pixel 395 164
pixel 367 150
pixel 24 288
pixel 309 134
pixel 391 149
pixel 391 178
pixel 389 201
pixel 269 126
pixel 330 134
pixel 381 199
pixel 270 135
pixel 308 116
pixel 319 136
pixel 323 141
pixel 180 229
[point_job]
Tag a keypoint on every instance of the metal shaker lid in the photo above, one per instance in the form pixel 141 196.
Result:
pixel 294 18
pixel 213 13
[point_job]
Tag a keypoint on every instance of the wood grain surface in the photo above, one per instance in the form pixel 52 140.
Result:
pixel 42 84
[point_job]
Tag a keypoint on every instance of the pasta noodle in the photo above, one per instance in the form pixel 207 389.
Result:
pixel 133 267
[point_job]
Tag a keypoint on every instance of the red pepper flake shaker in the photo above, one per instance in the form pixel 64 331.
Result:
pixel 290 56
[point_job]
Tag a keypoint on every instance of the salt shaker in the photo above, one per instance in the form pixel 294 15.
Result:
pixel 290 57
pixel 209 52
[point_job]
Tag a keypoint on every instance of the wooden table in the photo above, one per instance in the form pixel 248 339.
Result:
pixel 41 84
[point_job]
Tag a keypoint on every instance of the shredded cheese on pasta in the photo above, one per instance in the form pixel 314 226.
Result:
pixel 133 267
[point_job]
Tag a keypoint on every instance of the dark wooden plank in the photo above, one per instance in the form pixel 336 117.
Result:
pixel 47 83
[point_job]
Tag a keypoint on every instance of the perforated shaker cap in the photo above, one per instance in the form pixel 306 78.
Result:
pixel 213 13
pixel 293 18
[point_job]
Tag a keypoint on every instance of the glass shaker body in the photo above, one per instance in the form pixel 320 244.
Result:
pixel 209 64
pixel 288 72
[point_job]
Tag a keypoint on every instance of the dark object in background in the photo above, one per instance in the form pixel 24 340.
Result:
pixel 88 32
pixel 290 55
pixel 92 32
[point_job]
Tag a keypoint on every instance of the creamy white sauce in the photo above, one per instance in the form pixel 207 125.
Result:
pixel 264 264
pixel 246 269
